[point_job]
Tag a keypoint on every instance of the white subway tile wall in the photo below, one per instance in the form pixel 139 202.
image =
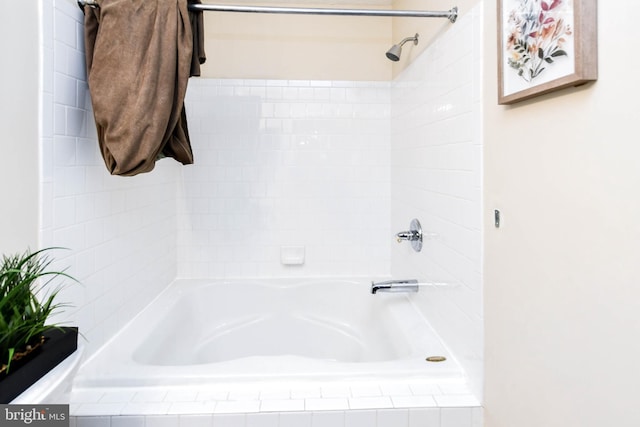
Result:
pixel 436 176
pixel 286 164
pixel 120 232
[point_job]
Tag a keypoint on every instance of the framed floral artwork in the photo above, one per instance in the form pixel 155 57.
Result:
pixel 545 45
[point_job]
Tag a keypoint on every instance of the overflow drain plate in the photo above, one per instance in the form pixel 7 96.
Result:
pixel 436 359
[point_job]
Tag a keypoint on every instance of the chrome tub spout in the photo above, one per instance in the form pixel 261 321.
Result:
pixel 407 285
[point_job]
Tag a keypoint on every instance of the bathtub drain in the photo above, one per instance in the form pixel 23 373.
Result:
pixel 436 359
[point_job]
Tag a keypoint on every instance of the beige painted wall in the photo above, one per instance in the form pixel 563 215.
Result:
pixel 304 47
pixel 19 124
pixel 266 46
pixel 562 275
pixel 428 28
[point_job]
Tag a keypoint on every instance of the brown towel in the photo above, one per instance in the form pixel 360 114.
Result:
pixel 197 28
pixel 138 55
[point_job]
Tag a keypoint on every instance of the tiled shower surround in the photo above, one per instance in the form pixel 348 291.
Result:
pixel 286 164
pixel 436 176
pixel 120 232
pixel 333 167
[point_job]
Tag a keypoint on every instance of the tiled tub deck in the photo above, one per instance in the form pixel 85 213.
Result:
pixel 444 403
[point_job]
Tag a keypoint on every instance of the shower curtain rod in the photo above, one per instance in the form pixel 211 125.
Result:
pixel 451 15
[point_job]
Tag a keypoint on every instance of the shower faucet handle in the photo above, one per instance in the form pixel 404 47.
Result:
pixel 414 235
pixel 408 235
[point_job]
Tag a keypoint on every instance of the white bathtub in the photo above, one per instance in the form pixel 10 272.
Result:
pixel 213 332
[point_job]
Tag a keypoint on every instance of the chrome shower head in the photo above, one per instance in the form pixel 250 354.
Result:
pixel 396 50
pixel 394 53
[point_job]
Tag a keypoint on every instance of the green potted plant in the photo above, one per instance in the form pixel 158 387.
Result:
pixel 29 346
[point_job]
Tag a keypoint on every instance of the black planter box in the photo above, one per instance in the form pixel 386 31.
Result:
pixel 58 345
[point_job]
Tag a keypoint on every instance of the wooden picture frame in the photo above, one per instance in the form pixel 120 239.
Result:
pixel 545 45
